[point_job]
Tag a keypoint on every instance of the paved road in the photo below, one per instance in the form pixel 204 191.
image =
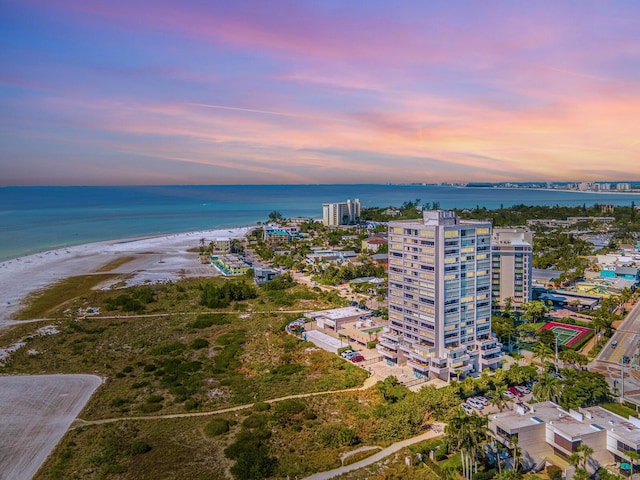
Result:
pixel 608 361
pixel 436 431
pixel 35 412
pixel 627 336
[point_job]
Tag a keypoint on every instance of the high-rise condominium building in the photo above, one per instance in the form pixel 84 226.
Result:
pixel 511 251
pixel 440 297
pixel 343 213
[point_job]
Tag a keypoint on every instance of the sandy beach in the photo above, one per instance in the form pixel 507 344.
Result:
pixel 154 259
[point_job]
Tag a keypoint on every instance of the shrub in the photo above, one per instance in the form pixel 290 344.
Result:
pixel 150 407
pixel 336 435
pixel 257 420
pixel 206 320
pixel 139 447
pixel 191 404
pixel 555 473
pixel 155 399
pixel 168 349
pixel 217 426
pixel 118 402
pixel 261 406
pixel 372 344
pixel 199 343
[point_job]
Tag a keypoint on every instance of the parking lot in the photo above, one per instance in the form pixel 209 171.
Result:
pixel 35 412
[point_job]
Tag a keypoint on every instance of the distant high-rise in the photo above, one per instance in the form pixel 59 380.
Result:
pixel 511 250
pixel 440 297
pixel 343 213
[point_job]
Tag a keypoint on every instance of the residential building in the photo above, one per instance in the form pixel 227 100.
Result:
pixel 230 265
pixel 343 213
pixel 440 297
pixel 373 243
pixel 277 235
pixel 511 253
pixel 220 245
pixel 262 275
pixel 544 431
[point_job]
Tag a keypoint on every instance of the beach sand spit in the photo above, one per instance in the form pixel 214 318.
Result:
pixel 154 259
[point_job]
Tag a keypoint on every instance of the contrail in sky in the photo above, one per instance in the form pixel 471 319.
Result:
pixel 266 112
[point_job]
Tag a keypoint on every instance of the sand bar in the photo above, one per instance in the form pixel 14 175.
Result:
pixel 155 259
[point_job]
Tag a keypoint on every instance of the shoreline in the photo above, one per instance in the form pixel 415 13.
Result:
pixel 155 259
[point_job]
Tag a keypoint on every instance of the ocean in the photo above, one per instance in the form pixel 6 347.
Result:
pixel 37 219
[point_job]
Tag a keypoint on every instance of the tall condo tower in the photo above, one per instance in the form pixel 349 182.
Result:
pixel 342 213
pixel 440 297
pixel 511 251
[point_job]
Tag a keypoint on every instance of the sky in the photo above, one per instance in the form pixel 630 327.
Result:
pixel 286 92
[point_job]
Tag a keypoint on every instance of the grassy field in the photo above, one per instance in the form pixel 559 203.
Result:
pixel 174 355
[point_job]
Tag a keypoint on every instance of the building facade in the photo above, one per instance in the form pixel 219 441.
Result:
pixel 545 431
pixel 511 251
pixel 440 297
pixel 343 213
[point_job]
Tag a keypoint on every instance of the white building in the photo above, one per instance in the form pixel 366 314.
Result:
pixel 511 250
pixel 343 213
pixel 545 430
pixel 440 297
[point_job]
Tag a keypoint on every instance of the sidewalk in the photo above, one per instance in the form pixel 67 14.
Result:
pixel 438 429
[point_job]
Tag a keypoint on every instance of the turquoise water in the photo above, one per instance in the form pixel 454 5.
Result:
pixel 36 219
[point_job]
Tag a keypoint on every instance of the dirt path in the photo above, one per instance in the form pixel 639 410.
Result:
pixel 368 383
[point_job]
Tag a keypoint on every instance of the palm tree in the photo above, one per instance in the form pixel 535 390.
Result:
pixel 496 397
pixel 547 388
pixel 467 433
pixel 542 351
pixel 586 452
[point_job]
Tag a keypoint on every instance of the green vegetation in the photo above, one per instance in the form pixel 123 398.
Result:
pixel 216 427
pixel 52 301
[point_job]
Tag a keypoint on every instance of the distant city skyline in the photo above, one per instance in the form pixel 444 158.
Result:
pixel 253 92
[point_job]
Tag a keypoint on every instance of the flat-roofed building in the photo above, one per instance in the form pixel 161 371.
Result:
pixel 511 252
pixel 545 430
pixel 342 213
pixel 335 318
pixel 440 297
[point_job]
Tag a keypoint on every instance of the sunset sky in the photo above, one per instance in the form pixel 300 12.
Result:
pixel 250 92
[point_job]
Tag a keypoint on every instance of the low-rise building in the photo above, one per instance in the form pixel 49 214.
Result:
pixel 277 235
pixel 230 265
pixel 336 318
pixel 544 431
pixel 262 275
pixel 373 243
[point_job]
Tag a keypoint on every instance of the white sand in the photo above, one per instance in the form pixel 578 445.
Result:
pixel 155 259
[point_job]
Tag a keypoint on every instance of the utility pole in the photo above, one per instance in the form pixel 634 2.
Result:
pixel 623 360
pixel 622 371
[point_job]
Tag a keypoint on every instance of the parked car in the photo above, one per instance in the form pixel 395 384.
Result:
pixel 515 392
pixel 522 389
pixel 509 395
pixel 482 400
pixel 467 409
pixel 356 358
pixel 347 353
pixel 475 403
